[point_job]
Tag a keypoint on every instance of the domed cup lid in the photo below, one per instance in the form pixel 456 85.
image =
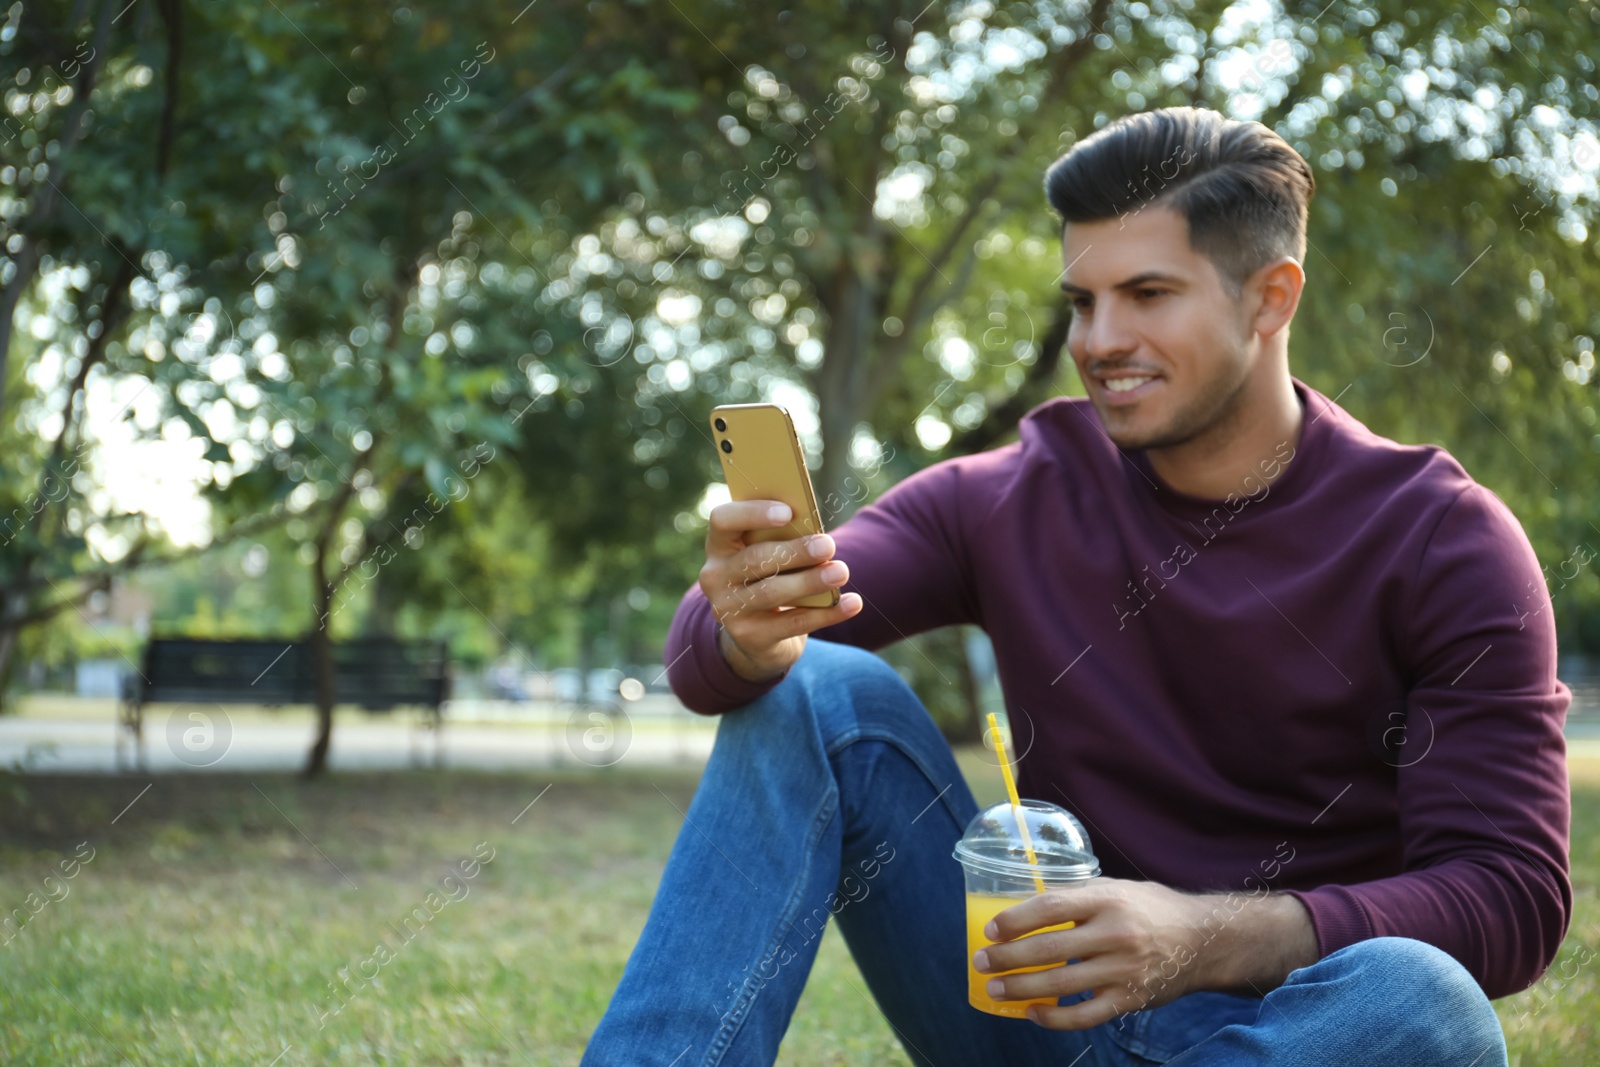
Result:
pixel 993 844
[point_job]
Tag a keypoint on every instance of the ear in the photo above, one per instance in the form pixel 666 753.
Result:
pixel 1274 292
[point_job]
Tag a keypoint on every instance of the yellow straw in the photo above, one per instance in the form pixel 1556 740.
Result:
pixel 1016 802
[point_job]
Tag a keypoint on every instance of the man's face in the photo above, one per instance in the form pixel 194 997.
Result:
pixel 1162 347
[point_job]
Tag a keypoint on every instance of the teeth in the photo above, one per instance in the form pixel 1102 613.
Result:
pixel 1122 385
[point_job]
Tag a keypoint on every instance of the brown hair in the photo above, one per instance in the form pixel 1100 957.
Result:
pixel 1243 190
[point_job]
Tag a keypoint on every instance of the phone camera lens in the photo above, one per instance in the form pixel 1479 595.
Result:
pixel 727 446
pixel 721 424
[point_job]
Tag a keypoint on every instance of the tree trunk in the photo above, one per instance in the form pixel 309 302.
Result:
pixel 969 730
pixel 1002 419
pixel 585 651
pixel 8 647
pixel 617 635
pixel 388 597
pixel 839 386
pixel 325 678
pixel 837 497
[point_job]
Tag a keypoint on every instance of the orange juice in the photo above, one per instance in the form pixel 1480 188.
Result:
pixel 980 909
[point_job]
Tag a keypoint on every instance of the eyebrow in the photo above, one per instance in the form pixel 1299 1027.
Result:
pixel 1132 283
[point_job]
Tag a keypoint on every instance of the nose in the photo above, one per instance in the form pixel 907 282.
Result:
pixel 1107 336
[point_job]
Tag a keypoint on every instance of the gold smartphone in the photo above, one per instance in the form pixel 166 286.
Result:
pixel 762 460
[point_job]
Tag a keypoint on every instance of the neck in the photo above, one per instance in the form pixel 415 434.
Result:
pixel 1219 461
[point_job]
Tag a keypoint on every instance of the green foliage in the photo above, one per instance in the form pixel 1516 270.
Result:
pixel 351 255
pixel 1452 254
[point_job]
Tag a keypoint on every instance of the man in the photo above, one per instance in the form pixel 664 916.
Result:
pixel 1293 677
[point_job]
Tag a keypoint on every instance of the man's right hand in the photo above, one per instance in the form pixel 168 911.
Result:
pixel 741 582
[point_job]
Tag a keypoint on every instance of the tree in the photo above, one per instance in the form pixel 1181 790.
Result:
pixel 391 394
pixel 80 265
pixel 302 292
pixel 351 257
pixel 1455 159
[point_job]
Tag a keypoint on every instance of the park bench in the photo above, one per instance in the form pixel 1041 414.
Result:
pixel 374 673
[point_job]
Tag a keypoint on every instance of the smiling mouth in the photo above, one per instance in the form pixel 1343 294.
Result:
pixel 1127 388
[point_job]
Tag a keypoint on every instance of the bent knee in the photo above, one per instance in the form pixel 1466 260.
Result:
pixel 828 663
pixel 1422 995
pixel 1411 964
pixel 852 692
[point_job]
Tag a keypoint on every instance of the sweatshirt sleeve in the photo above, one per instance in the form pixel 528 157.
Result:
pixel 1484 807
pixel 908 561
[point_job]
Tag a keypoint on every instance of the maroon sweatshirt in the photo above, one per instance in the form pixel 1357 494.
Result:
pixel 1340 683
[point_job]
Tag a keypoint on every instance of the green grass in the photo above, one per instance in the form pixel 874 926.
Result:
pixel 208 927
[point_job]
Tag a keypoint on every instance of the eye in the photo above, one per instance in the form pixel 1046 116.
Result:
pixel 1080 303
pixel 1151 293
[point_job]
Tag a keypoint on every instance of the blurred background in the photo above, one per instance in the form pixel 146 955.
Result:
pixel 330 327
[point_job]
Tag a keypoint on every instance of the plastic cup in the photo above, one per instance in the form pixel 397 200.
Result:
pixel 999 875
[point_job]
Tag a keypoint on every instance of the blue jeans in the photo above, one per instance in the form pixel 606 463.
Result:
pixel 835 795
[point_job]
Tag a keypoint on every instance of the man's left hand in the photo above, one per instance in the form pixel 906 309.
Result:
pixel 1140 945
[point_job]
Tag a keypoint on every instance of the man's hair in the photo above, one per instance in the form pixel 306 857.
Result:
pixel 1243 190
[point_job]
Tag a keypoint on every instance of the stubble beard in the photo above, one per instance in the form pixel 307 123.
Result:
pixel 1218 405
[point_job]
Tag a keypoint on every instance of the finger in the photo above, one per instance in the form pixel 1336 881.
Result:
pixel 731 519
pixel 1062 980
pixel 1104 936
pixel 1047 909
pixel 1084 1015
pixel 765 559
pixel 768 594
pixel 763 630
pixel 1035 950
